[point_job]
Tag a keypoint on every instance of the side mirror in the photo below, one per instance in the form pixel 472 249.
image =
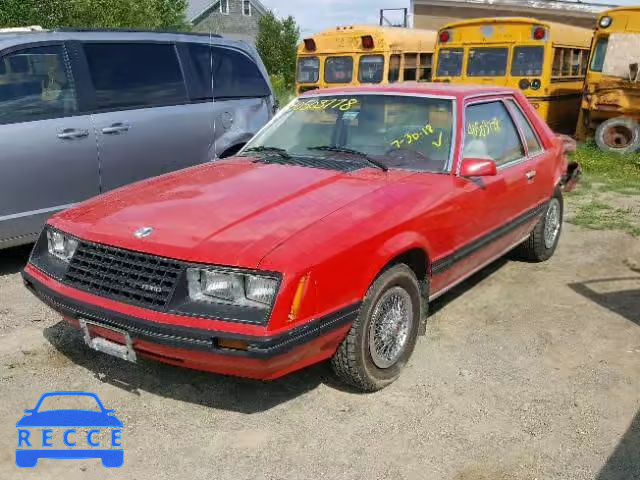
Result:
pixel 478 167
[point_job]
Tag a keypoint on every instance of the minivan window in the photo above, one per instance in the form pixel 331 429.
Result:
pixel 129 75
pixel 338 70
pixel 35 84
pixel 235 74
pixel 487 62
pixel 450 62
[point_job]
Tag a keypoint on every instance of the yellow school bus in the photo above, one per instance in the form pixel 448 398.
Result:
pixel 547 60
pixel 364 55
pixel 610 108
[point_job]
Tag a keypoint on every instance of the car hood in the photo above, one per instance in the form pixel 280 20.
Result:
pixel 69 418
pixel 233 212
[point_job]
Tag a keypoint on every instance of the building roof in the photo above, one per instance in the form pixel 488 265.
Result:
pixel 196 8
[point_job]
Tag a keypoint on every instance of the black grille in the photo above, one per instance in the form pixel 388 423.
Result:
pixel 122 275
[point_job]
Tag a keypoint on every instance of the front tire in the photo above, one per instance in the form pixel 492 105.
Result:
pixel 543 240
pixel 618 135
pixel 383 336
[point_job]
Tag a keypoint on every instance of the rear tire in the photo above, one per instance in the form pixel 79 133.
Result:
pixel 383 336
pixel 618 135
pixel 543 240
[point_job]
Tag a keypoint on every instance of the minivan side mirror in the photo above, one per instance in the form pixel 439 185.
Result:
pixel 478 167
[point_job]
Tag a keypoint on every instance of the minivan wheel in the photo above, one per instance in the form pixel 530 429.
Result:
pixel 383 336
pixel 543 240
pixel 619 135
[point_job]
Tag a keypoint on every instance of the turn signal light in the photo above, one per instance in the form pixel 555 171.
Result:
pixel 367 42
pixel 310 44
pixel 539 33
pixel 298 297
pixel 444 37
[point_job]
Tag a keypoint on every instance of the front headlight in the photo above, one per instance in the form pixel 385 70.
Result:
pixel 61 246
pixel 605 22
pixel 220 286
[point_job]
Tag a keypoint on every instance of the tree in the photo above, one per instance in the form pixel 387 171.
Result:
pixel 277 43
pixel 141 14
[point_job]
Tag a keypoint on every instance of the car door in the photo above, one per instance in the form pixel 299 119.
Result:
pixel 143 117
pixel 493 212
pixel 48 158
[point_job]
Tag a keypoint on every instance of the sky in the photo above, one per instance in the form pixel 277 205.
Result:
pixel 318 15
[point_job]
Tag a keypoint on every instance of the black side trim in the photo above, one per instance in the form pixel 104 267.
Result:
pixel 439 266
pixel 191 338
pixel 565 96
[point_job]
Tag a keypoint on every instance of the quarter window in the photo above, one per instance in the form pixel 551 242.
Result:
pixel 308 70
pixel 450 62
pixel 36 84
pixel 130 75
pixel 338 70
pixel 491 134
pixel 533 145
pixel 371 69
pixel 487 62
pixel 527 61
pixel 235 75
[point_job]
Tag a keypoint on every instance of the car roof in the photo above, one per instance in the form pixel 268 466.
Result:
pixel 10 39
pixel 456 90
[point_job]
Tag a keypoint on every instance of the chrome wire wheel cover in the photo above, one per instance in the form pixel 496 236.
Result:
pixel 389 329
pixel 552 223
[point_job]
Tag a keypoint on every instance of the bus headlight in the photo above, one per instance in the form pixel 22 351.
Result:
pixel 605 22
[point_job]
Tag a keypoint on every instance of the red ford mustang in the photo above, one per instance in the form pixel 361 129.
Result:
pixel 324 238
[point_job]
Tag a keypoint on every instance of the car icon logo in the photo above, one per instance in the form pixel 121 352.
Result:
pixel 41 432
pixel 143 232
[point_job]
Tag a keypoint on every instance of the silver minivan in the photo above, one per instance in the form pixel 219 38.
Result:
pixel 82 113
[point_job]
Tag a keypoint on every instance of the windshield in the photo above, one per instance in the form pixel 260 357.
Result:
pixel 450 62
pixel 599 52
pixel 404 132
pixel 338 70
pixel 527 61
pixel 487 62
pixel 308 70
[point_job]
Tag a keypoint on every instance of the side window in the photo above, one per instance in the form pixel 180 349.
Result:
pixel 533 145
pixel 35 84
pixel 394 68
pixel 235 75
pixel 129 75
pixel 558 54
pixel 410 66
pixel 424 73
pixel 371 69
pixel 491 134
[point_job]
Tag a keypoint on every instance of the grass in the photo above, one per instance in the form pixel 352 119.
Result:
pixel 608 178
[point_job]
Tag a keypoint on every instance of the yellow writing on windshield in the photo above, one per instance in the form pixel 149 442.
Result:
pixel 342 104
pixel 418 136
pixel 484 128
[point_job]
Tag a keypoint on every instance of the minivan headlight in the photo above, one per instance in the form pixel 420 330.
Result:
pixel 61 246
pixel 237 288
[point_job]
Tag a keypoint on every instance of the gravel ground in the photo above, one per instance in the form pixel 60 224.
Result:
pixel 528 371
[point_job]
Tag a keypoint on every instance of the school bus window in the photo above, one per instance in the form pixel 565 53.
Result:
pixel 584 63
pixel 557 62
pixel 450 62
pixel 576 60
pixel 371 69
pixel 424 72
pixel 599 52
pixel 410 66
pixel 308 70
pixel 527 61
pixel 338 70
pixel 394 68
pixel 487 62
pixel 566 63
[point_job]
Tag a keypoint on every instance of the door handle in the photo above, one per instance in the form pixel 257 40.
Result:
pixel 73 133
pixel 531 174
pixel 116 129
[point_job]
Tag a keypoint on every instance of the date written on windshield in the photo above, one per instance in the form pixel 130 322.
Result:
pixel 484 128
pixel 342 104
pixel 418 136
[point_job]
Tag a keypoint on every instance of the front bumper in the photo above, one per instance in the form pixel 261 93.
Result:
pixel 266 357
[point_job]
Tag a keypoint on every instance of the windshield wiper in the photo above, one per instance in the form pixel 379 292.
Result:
pixel 264 149
pixel 329 148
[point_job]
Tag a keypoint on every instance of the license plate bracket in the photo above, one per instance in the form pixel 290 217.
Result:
pixel 101 344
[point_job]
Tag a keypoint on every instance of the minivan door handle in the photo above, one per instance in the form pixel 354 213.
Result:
pixel 116 129
pixel 73 133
